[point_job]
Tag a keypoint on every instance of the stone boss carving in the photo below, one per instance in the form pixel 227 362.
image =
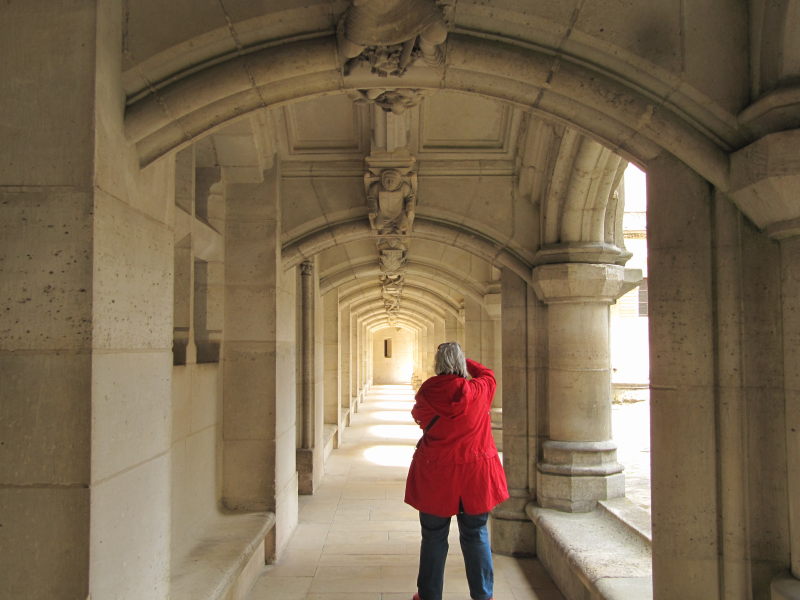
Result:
pixel 391 34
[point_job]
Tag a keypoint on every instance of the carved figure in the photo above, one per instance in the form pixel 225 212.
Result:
pixel 391 202
pixel 391 34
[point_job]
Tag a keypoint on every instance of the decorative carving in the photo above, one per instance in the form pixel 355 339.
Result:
pixel 393 263
pixel 390 35
pixel 392 202
pixel 306 268
pixel 396 101
pixel 393 258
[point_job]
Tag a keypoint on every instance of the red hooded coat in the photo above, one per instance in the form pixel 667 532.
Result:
pixel 456 461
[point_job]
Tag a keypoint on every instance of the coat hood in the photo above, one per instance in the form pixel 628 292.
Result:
pixel 444 394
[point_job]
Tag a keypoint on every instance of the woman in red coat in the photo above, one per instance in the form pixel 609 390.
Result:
pixel 455 471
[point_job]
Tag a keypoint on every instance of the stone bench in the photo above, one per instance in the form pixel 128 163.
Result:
pixel 604 554
pixel 225 561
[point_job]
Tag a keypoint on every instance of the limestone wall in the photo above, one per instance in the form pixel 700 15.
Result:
pixel 398 366
pixel 196 453
pixel 285 409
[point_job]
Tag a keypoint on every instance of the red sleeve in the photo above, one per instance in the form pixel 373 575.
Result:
pixel 482 384
pixel 422 411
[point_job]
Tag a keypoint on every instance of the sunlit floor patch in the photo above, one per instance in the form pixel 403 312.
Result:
pixel 395 416
pixel 387 405
pixel 395 432
pixel 389 456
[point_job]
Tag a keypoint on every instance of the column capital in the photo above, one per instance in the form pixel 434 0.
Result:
pixel 583 282
pixel 765 177
pixel 307 268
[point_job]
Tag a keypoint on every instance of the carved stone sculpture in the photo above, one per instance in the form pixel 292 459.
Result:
pixel 393 263
pixel 391 201
pixel 391 34
pixel 396 101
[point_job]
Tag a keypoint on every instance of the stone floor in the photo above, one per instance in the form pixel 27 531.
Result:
pixel 357 540
pixel 631 429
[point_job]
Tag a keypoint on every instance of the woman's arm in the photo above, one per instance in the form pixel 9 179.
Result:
pixel 422 411
pixel 482 383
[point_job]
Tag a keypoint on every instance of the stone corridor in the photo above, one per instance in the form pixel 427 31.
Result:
pixel 357 540
pixel 224 222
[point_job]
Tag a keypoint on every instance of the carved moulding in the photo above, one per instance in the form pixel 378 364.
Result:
pixel 389 35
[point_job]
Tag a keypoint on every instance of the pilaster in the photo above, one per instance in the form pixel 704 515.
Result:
pixel 765 178
pixel 788 587
pixel 513 533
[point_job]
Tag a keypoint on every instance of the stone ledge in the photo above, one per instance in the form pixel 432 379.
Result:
pixel 632 516
pixel 785 587
pixel 593 555
pixel 226 560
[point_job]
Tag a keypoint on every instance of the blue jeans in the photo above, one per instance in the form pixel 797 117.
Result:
pixel 474 539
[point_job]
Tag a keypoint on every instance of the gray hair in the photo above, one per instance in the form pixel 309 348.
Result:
pixel 450 360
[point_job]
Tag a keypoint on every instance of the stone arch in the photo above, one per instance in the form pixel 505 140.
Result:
pixel 623 116
pixel 494 252
pixel 369 273
pixel 410 290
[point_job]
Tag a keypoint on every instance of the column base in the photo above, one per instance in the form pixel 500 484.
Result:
pixel 785 587
pixel 512 531
pixel 573 476
pixel 305 471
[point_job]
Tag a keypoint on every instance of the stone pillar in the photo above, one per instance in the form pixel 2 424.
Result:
pixel 492 330
pixel 579 463
pixel 683 410
pixel 250 382
pixel 354 362
pixel 790 261
pixel 453 329
pixel 473 330
pixel 513 532
pixel 345 363
pixel 332 390
pixel 307 333
pixel 85 318
pixel 305 453
pixel 765 178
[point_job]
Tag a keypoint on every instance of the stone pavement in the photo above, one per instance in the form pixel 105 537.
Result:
pixel 357 540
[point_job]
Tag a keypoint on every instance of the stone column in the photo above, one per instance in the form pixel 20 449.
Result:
pixel 307 325
pixel 579 461
pixel 305 453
